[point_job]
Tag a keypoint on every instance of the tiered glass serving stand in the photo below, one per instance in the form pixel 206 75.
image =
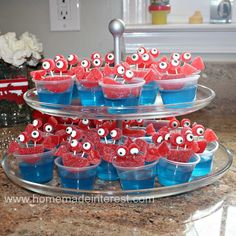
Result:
pixel 111 191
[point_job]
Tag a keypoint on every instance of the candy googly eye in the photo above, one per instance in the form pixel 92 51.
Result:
pixel 85 63
pixel 129 74
pixel 141 50
pixel 163 65
pixel 113 133
pixel 174 124
pixel 159 139
pixel 35 134
pixel 96 55
pixel 35 123
pixel 48 128
pixel 101 132
pixel 59 64
pixel 73 133
pixel 69 130
pixel 145 57
pixel 139 121
pixel 175 63
pixel 134 151
pixel 189 137
pixel 176 56
pixel 120 70
pixel 74 143
pixel 154 51
pixel 167 137
pixel 46 65
pixel 97 62
pixel 135 57
pixel 121 151
pixel 87 146
pixel 85 121
pixel 200 131
pixel 57 58
pixel 187 56
pixel 179 140
pixel 21 138
pixel 70 57
pixel 111 56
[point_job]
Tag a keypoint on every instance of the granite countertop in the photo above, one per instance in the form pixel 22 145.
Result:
pixel 210 210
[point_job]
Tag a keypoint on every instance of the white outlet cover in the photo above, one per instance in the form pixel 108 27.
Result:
pixel 64 15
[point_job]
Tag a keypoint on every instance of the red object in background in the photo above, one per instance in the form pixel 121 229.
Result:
pixel 12 90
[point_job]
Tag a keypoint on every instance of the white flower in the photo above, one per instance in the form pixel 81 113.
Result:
pixel 31 42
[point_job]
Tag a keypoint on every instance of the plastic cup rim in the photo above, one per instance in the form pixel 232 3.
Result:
pixel 34 155
pixel 214 149
pixel 140 82
pixel 68 168
pixel 184 79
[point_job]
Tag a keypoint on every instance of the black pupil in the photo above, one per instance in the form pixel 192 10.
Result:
pixel 174 124
pixel 110 56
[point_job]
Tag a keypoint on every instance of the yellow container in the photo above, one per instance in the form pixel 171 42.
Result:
pixel 159 14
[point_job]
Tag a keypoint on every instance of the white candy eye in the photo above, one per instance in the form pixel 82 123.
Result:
pixel 60 64
pixel 139 120
pixel 167 137
pixel 111 56
pixel 85 121
pixel 121 152
pixel 35 134
pixel 135 57
pixel 154 51
pixel 200 131
pixel 70 57
pixel 73 133
pixel 84 63
pixel 68 130
pixel 97 62
pixel 163 65
pixel 159 139
pixel 35 123
pixel 21 138
pixel 74 143
pixel 145 57
pixel 189 137
pixel 141 51
pixel 174 62
pixel 134 151
pixel 186 124
pixel 120 70
pixel 48 128
pixel 86 146
pixel 188 131
pixel 187 56
pixel 96 55
pixel 179 140
pixel 57 58
pixel 101 132
pixel 176 56
pixel 113 133
pixel 46 65
pixel 174 124
pixel 129 74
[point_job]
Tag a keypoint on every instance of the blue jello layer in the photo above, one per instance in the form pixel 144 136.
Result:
pixel 204 167
pixel 91 96
pixel 186 94
pixel 106 171
pixel 149 93
pixel 39 172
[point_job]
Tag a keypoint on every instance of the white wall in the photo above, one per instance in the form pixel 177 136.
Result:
pixel 33 16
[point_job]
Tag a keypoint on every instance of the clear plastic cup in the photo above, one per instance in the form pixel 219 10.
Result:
pixel 149 93
pixel 75 177
pixel 135 178
pixel 107 172
pixel 37 168
pixel 179 90
pixel 90 93
pixel 55 89
pixel 173 172
pixel 122 95
pixel 204 167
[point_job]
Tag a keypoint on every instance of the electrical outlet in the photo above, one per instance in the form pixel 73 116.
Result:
pixel 64 15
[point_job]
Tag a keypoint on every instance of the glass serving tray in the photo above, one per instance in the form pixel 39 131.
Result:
pixel 204 97
pixel 111 191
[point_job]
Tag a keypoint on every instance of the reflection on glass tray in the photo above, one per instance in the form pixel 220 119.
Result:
pixel 203 98
pixel 112 191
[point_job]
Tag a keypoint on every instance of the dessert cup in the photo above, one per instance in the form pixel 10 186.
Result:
pixel 135 178
pixel 37 168
pixel 55 89
pixel 90 93
pixel 205 165
pixel 122 95
pixel 173 172
pixel 149 93
pixel 179 90
pixel 106 171
pixel 159 14
pixel 76 177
